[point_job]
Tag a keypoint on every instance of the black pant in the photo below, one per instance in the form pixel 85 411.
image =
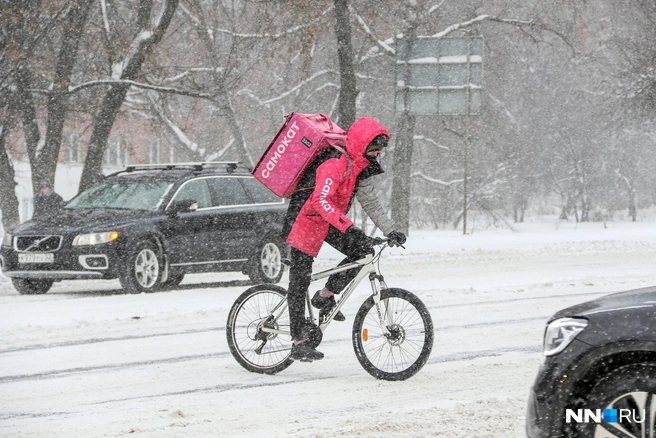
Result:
pixel 301 269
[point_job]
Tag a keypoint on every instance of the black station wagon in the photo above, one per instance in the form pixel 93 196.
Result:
pixel 149 226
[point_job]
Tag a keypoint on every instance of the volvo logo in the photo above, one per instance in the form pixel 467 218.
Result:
pixel 36 243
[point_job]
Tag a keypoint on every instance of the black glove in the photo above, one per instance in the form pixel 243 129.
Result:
pixel 396 238
pixel 359 239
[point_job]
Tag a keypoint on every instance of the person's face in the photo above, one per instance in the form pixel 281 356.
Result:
pixel 374 153
pixel 45 191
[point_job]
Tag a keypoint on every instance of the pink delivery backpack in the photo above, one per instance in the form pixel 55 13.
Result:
pixel 298 142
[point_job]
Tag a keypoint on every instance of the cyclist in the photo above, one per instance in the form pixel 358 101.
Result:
pixel 317 213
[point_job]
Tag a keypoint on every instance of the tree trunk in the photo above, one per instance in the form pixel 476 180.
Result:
pixel 401 179
pixel 8 199
pixel 633 210
pixel 585 209
pixel 465 179
pixel 102 126
pixel 235 128
pixel 46 162
pixel 404 143
pixel 115 95
pixel 348 87
pixel 27 112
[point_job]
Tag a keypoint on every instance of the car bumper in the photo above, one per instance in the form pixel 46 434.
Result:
pixel 549 396
pixel 68 263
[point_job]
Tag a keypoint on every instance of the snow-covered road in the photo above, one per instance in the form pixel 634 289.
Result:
pixel 86 360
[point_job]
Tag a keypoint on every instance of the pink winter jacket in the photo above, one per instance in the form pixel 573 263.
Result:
pixel 335 182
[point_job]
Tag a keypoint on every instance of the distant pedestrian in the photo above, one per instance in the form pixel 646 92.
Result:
pixel 47 201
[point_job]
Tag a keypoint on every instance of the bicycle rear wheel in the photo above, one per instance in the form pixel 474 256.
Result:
pixel 402 353
pixel 253 348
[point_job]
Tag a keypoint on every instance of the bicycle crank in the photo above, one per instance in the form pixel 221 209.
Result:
pixel 312 333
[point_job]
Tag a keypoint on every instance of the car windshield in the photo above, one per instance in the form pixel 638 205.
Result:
pixel 125 194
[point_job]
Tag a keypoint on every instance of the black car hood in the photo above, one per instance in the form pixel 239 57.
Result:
pixel 637 298
pixel 81 220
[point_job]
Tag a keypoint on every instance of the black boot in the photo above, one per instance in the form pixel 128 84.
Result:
pixel 325 305
pixel 305 353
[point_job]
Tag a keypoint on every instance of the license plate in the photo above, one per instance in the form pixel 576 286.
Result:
pixel 36 258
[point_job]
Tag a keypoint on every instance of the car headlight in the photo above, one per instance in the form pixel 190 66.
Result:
pixel 7 239
pixel 94 238
pixel 560 333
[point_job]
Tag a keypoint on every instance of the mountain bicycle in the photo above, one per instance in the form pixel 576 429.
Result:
pixel 392 331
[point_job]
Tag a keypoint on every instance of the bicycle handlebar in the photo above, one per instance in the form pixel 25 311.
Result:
pixel 381 240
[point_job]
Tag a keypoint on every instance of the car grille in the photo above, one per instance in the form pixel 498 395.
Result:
pixel 38 243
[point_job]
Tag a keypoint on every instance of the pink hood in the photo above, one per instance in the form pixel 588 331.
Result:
pixel 359 136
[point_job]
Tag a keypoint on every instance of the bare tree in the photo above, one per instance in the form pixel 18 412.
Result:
pixel 8 200
pixel 567 116
pixel 57 99
pixel 24 30
pixel 147 35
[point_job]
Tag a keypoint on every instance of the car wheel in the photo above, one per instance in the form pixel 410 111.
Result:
pixel 173 280
pixel 142 271
pixel 630 390
pixel 32 286
pixel 266 265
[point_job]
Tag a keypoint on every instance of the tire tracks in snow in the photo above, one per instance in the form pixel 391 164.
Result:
pixel 222 328
pixel 108 339
pixel 108 367
pixel 435 359
pixel 458 356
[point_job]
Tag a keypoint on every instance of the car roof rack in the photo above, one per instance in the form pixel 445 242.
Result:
pixel 197 166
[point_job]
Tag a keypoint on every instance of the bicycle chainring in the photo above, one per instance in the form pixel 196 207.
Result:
pixel 312 333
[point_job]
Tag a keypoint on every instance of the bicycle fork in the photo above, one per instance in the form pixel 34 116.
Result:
pixel 378 284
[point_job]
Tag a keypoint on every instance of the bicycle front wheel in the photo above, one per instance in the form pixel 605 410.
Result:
pixel 400 354
pixel 253 330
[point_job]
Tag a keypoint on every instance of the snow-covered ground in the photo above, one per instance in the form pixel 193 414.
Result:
pixel 87 361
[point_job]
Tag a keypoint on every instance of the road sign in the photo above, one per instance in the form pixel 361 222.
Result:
pixel 444 76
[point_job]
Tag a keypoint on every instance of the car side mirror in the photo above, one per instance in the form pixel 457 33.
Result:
pixel 183 206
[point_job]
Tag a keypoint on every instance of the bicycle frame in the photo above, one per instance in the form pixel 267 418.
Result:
pixel 375 278
pixel 392 334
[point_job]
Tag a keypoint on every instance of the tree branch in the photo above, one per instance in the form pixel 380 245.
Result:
pixel 175 129
pixel 430 140
pixel 435 180
pixel 454 27
pixel 76 88
pixel 384 44
pixel 275 36
pixel 286 93
pixel 478 19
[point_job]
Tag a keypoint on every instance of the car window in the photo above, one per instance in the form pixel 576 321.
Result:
pixel 195 190
pixel 122 193
pixel 259 193
pixel 228 191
